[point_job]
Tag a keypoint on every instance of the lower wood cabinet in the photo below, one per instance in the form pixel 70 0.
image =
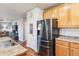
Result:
pixel 69 49
pixel 74 52
pixel 62 50
pixel 74 49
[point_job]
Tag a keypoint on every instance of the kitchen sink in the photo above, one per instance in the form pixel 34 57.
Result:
pixel 6 44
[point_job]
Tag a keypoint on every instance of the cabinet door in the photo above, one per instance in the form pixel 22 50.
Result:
pixel 46 14
pixel 75 15
pixel 53 13
pixel 63 12
pixel 62 50
pixel 74 52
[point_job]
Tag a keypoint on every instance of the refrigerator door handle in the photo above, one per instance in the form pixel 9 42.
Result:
pixel 46 30
pixel 51 27
pixel 47 35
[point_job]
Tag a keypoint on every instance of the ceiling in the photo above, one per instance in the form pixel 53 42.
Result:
pixel 13 11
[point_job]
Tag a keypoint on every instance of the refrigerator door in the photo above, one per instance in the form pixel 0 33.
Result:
pixel 48 34
pixel 53 32
pixel 48 27
pixel 40 28
pixel 44 46
pixel 55 29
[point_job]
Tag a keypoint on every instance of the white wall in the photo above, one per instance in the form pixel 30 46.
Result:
pixel 70 32
pixel 32 17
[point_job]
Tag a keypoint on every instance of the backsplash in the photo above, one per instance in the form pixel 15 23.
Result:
pixel 69 32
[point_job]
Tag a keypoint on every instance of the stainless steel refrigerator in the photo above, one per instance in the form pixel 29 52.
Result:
pixel 47 31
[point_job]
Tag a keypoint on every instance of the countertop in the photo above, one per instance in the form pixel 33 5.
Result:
pixel 12 50
pixel 68 38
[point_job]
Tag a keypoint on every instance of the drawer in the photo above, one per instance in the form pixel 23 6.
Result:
pixel 44 51
pixel 74 45
pixel 74 52
pixel 65 43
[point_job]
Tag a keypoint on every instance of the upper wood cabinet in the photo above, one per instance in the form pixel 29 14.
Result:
pixel 53 13
pixel 63 15
pixel 46 14
pixel 67 15
pixel 50 13
pixel 74 14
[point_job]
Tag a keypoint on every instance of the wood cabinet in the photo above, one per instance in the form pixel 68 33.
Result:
pixel 60 12
pixel 63 15
pixel 74 52
pixel 67 15
pixel 53 13
pixel 74 49
pixel 60 42
pixel 62 50
pixel 74 45
pixel 66 48
pixel 74 14
pixel 50 13
pixel 46 14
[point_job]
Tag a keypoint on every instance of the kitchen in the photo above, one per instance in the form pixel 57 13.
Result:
pixel 67 43
pixel 49 29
